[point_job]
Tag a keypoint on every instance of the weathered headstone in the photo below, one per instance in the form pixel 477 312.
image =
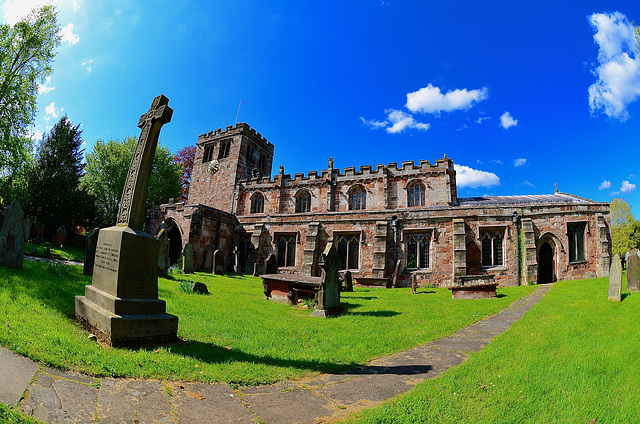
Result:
pixel 633 271
pixel 121 306
pixel 208 259
pixel 38 232
pixel 12 236
pixel 237 269
pixel 27 225
pixel 187 259
pixel 271 266
pixel 163 250
pixel 61 236
pixel 414 284
pixel 615 279
pixel 90 244
pixel 329 293
pixel 218 262
pixel 200 288
pixel 348 281
pixel 396 274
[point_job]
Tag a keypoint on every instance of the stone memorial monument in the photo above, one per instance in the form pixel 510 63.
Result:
pixel 27 225
pixel 237 269
pixel 121 306
pixel 271 265
pixel 633 271
pixel 38 232
pixel 163 250
pixel 329 293
pixel 218 262
pixel 348 282
pixel 615 279
pixel 187 259
pixel 61 236
pixel 90 251
pixel 12 236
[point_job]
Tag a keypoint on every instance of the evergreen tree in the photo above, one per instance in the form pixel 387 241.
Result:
pixel 55 198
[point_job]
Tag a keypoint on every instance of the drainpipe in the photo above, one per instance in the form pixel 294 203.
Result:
pixel 394 227
pixel 515 218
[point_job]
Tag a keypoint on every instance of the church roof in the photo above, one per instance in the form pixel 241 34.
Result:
pixel 522 200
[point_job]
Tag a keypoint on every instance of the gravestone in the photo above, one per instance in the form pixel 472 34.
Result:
pixel 237 269
pixel 218 262
pixel 163 250
pixel 38 232
pixel 12 236
pixel 348 281
pixel 121 306
pixel 61 236
pixel 414 284
pixel 28 224
pixel 329 293
pixel 633 271
pixel 208 259
pixel 396 274
pixel 615 279
pixel 200 288
pixel 271 266
pixel 90 251
pixel 187 259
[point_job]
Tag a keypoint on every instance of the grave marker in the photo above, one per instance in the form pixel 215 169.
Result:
pixel 615 279
pixel 163 250
pixel 187 259
pixel 90 251
pixel 121 306
pixel 218 262
pixel 12 236
pixel 271 265
pixel 348 281
pixel 329 293
pixel 61 236
pixel 28 224
pixel 633 271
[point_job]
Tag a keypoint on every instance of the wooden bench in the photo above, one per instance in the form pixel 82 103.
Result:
pixel 474 287
pixel 290 288
pixel 373 282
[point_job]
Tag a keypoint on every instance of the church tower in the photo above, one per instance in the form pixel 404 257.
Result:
pixel 222 159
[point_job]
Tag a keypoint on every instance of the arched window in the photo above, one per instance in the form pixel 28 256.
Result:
pixel 492 248
pixel 257 203
pixel 303 201
pixel 348 250
pixel 416 193
pixel 357 198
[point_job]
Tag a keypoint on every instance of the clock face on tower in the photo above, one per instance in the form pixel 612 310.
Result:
pixel 214 166
pixel 255 173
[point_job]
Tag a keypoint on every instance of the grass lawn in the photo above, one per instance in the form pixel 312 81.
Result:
pixel 68 253
pixel 573 358
pixel 233 334
pixel 9 416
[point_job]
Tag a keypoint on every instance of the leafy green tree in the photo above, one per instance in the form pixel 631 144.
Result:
pixel 106 171
pixel 55 197
pixel 622 225
pixel 26 53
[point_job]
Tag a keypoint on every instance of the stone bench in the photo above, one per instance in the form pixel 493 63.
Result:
pixel 290 288
pixel 474 287
pixel 373 282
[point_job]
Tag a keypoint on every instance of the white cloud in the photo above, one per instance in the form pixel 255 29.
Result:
pixel 401 121
pixel 507 121
pixel 627 187
pixel 604 185
pixel 87 64
pixel 15 10
pixel 528 184
pixel 469 177
pixel 618 71
pixel 373 123
pixel 519 162
pixel 481 119
pixel 67 36
pixel 43 88
pixel 430 100
pixel 51 110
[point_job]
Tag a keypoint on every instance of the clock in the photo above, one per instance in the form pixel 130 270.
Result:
pixel 255 173
pixel 214 166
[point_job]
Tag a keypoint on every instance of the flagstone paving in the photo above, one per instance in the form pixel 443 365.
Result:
pixel 66 397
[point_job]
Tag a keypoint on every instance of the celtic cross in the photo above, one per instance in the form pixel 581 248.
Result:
pixel 134 195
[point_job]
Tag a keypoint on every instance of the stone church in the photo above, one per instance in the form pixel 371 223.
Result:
pixel 405 219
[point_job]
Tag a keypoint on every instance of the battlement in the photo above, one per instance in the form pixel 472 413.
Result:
pixel 231 130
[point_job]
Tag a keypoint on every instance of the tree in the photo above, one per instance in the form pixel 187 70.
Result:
pixel 185 158
pixel 106 171
pixel 622 225
pixel 55 197
pixel 26 53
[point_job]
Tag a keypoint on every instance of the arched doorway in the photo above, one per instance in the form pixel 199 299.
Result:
pixel 175 241
pixel 546 263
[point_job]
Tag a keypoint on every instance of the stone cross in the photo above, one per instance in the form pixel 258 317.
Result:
pixel 615 280
pixel 134 196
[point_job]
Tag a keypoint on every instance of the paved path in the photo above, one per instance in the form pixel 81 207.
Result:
pixel 62 397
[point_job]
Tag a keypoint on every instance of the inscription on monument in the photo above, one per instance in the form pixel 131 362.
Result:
pixel 107 257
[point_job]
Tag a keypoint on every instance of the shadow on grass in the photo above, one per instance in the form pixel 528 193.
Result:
pixel 351 306
pixel 624 296
pixel 501 295
pixel 425 292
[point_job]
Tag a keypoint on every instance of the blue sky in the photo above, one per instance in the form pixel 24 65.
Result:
pixel 521 95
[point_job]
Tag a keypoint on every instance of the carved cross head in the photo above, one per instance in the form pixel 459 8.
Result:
pixel 159 111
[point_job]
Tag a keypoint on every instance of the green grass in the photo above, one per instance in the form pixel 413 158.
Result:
pixel 573 358
pixel 233 334
pixel 68 253
pixel 9 416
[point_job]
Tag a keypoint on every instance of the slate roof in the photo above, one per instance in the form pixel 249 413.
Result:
pixel 522 200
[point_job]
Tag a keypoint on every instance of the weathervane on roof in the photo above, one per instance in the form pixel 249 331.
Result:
pixel 556 184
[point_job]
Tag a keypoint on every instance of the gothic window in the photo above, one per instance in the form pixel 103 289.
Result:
pixel 492 248
pixel 208 154
pixel 418 250
pixel 348 250
pixel 416 193
pixel 303 201
pixel 576 242
pixel 225 148
pixel 286 250
pixel 357 198
pixel 257 203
